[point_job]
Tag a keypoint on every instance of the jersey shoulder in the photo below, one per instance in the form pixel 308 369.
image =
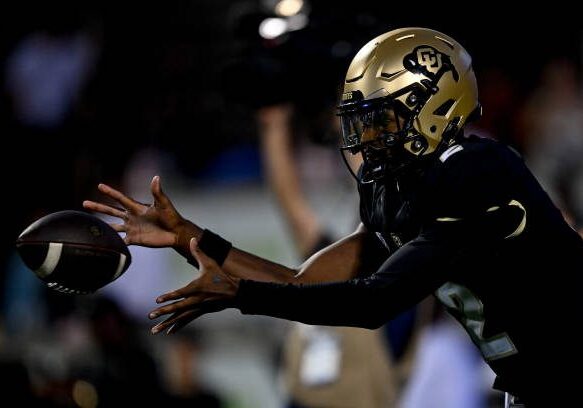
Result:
pixel 473 175
pixel 475 155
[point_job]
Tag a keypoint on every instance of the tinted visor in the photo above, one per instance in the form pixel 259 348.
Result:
pixel 375 124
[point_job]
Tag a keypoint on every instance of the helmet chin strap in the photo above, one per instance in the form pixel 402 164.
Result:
pixel 375 169
pixel 450 134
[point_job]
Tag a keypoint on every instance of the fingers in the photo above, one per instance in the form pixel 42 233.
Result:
pixel 159 196
pixel 184 320
pixel 104 209
pixel 119 227
pixel 181 318
pixel 185 304
pixel 176 321
pixel 169 296
pixel 179 306
pixel 175 294
pixel 121 198
pixel 164 310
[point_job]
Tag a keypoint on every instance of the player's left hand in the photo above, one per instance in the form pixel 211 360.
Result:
pixel 155 225
pixel 213 291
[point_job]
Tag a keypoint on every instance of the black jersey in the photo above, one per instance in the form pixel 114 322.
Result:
pixel 480 233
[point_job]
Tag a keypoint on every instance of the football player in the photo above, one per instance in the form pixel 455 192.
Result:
pixel 442 213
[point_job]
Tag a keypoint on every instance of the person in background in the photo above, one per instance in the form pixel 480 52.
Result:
pixel 553 121
pixel 323 366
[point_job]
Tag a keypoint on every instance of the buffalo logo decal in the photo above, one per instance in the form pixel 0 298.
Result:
pixel 428 61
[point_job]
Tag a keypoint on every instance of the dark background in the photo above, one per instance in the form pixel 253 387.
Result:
pixel 185 77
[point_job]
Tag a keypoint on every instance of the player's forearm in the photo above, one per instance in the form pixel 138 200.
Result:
pixel 413 272
pixel 355 255
pixel 340 261
pixel 238 263
pixel 366 303
pixel 248 266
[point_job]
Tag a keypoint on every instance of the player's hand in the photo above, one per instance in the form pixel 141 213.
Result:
pixel 154 225
pixel 212 292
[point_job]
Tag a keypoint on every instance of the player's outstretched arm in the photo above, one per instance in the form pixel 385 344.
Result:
pixel 160 225
pixel 412 273
pixel 340 261
pixel 216 288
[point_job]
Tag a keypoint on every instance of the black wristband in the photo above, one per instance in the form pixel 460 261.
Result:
pixel 213 246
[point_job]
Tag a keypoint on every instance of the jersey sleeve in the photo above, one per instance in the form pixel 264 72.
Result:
pixel 413 272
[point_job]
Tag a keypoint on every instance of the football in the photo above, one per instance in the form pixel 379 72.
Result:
pixel 73 252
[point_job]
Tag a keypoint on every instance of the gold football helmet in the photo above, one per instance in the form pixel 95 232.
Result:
pixel 407 94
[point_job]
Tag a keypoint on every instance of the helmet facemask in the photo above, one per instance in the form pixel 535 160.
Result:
pixel 378 130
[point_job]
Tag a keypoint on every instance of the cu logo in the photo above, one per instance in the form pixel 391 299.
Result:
pixel 429 58
pixel 428 61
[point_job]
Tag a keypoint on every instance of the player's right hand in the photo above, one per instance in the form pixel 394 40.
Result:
pixel 154 225
pixel 213 291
